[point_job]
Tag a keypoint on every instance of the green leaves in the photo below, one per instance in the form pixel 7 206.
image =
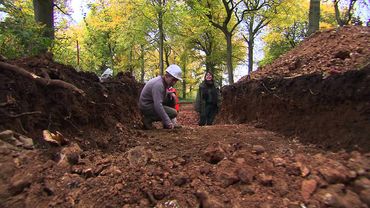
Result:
pixel 289 27
pixel 20 35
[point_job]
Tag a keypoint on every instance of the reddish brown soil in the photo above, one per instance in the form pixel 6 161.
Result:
pixel 333 113
pixel 319 91
pixel 326 52
pixel 109 162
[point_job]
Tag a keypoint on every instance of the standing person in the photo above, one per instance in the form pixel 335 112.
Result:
pixel 207 101
pixel 153 96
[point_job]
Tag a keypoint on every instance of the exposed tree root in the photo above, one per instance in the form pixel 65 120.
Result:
pixel 23 114
pixel 4 104
pixel 40 80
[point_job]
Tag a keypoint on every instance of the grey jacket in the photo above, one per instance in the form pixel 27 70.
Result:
pixel 152 96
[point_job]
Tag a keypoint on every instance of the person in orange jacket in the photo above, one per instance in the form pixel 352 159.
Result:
pixel 174 100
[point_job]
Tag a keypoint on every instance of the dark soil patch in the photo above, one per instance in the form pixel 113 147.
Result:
pixel 333 113
pixel 319 91
pixel 55 108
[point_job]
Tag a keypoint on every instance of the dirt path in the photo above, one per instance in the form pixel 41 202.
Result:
pixel 212 166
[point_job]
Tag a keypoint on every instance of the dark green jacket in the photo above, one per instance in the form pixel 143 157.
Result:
pixel 207 95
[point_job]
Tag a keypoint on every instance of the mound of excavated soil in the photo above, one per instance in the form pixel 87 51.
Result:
pixel 327 52
pixel 319 91
pixel 28 106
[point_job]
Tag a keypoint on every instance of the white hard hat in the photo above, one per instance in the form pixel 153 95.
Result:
pixel 175 71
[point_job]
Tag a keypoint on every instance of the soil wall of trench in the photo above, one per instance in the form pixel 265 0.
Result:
pixel 331 112
pixel 28 107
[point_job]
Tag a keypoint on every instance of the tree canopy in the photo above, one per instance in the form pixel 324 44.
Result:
pixel 144 36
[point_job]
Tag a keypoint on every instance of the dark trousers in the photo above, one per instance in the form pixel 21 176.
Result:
pixel 153 116
pixel 208 115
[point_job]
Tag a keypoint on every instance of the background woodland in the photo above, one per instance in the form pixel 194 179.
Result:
pixel 144 36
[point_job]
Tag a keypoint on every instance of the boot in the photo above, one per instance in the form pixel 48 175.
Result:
pixel 147 123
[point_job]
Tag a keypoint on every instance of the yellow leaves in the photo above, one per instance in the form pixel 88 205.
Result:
pixel 291 11
pixel 25 6
pixel 273 37
pixel 56 138
pixel 327 16
pixel 324 25
pixel 113 15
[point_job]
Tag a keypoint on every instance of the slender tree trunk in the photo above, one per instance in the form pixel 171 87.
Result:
pixel 348 13
pixel 337 13
pixel 314 17
pixel 130 65
pixel 166 56
pixel 250 54
pixel 184 81
pixel 161 38
pixel 210 65
pixel 78 54
pixel 250 45
pixel 142 63
pixel 229 56
pixel 111 54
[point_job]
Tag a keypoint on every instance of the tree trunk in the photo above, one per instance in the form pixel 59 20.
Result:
pixel 337 13
pixel 142 50
pixel 111 54
pixel 167 53
pixel 44 14
pixel 161 37
pixel 210 65
pixel 348 13
pixel 184 81
pixel 250 45
pixel 250 55
pixel 78 54
pixel 314 17
pixel 130 60
pixel 229 61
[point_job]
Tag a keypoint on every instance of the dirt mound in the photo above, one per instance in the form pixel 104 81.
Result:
pixel 332 112
pixel 29 106
pixel 318 92
pixel 331 51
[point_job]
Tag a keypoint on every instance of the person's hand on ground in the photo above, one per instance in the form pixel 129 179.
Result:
pixel 169 126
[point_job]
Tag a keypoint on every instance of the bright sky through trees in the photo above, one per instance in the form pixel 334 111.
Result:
pixel 106 38
pixel 79 7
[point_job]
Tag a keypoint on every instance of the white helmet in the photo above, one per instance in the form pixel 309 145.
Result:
pixel 175 71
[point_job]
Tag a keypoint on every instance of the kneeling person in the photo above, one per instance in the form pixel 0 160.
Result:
pixel 153 95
